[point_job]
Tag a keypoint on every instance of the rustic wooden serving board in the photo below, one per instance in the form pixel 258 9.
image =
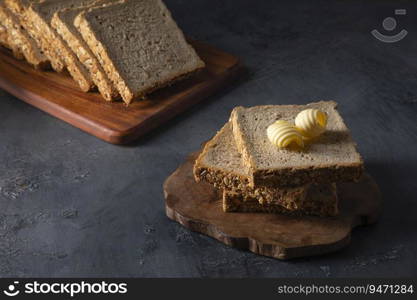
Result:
pixel 58 95
pixel 198 206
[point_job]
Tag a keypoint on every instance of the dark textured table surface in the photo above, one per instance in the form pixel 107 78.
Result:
pixel 72 205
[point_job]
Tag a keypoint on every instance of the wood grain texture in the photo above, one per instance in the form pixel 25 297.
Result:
pixel 58 95
pixel 198 207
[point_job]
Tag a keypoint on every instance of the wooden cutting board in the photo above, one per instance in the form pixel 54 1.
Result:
pixel 198 206
pixel 58 95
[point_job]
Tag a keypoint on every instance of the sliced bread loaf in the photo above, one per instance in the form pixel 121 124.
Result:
pixel 320 201
pixel 20 39
pixel 221 165
pixel 138 44
pixel 40 14
pixel 331 158
pixel 63 23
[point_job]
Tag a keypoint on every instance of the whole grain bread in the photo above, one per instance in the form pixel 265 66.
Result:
pixel 20 8
pixel 5 42
pixel 3 35
pixel 138 44
pixel 331 158
pixel 320 201
pixel 40 14
pixel 221 165
pixel 20 39
pixel 63 23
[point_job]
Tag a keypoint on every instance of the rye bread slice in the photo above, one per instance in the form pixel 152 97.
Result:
pixel 40 14
pixel 331 158
pixel 63 23
pixel 221 165
pixel 139 46
pixel 19 39
pixel 320 201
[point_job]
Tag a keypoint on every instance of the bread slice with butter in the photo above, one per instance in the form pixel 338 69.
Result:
pixel 63 23
pixel 333 157
pixel 139 45
pixel 221 165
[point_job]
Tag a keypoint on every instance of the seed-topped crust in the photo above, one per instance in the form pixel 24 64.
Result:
pixel 19 39
pixel 319 202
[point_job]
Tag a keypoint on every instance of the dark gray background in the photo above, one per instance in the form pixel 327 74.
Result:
pixel 72 205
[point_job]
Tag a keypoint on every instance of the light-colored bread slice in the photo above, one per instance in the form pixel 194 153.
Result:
pixel 63 23
pixel 139 45
pixel 40 14
pixel 221 165
pixel 320 201
pixel 21 40
pixel 331 158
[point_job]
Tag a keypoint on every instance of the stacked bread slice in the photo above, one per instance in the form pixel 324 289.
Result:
pixel 256 176
pixel 124 48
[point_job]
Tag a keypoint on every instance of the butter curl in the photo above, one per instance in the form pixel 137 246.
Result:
pixel 311 123
pixel 283 134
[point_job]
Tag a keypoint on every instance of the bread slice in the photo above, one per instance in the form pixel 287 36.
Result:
pixel 40 14
pixel 20 39
pixel 20 8
pixel 320 201
pixel 63 23
pixel 221 165
pixel 3 35
pixel 331 158
pixel 6 43
pixel 138 44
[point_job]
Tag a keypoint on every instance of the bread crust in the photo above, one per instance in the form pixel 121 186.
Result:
pixel 318 203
